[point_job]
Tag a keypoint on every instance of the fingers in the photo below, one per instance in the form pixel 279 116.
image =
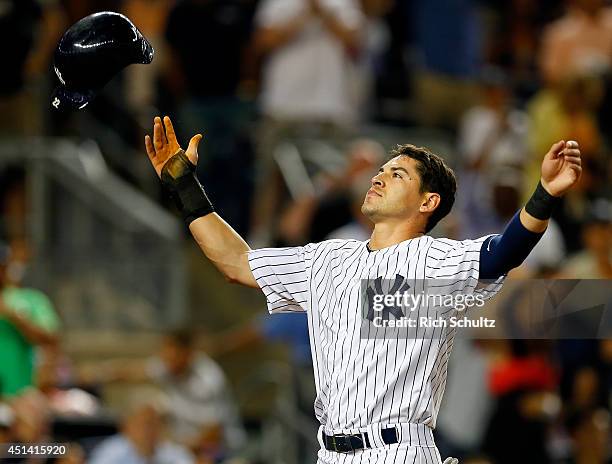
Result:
pixel 572 144
pixel 149 147
pixel 572 150
pixel 192 149
pixel 571 154
pixel 170 134
pixel 158 137
pixel 557 148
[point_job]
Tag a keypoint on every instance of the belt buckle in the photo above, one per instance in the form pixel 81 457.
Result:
pixel 342 443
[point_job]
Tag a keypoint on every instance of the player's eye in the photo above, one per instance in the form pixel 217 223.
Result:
pixel 395 174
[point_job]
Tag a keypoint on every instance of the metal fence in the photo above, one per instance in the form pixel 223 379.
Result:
pixel 107 255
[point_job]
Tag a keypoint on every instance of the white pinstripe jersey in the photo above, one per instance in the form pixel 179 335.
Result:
pixel 366 380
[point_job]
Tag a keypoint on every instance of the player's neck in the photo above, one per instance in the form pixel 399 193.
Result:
pixel 388 234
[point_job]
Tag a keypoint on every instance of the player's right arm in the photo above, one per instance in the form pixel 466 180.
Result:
pixel 224 247
pixel 176 168
pixel 561 170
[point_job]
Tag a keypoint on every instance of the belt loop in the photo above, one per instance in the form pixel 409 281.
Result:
pixel 378 437
pixel 320 436
pixel 389 435
pixel 367 439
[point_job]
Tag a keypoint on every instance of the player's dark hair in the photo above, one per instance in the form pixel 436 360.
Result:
pixel 436 177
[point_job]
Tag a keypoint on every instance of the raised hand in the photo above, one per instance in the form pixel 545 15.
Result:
pixel 561 167
pixel 165 145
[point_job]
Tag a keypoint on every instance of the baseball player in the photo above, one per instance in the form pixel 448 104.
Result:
pixel 377 399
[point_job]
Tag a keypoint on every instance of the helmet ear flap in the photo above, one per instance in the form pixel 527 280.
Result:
pixel 91 52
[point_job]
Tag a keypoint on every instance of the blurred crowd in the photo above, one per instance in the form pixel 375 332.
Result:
pixel 299 101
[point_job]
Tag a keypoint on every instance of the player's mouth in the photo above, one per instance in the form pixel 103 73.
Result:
pixel 373 193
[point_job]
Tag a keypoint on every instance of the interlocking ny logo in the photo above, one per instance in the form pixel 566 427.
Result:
pixel 56 103
pixel 376 288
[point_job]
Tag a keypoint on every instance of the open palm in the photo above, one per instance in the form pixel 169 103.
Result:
pixel 165 145
pixel 561 167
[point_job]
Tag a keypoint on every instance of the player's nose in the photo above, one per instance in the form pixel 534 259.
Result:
pixel 377 180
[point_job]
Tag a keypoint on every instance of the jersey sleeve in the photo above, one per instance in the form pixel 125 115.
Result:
pixel 455 265
pixel 283 274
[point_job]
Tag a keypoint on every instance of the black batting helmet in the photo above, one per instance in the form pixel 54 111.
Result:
pixel 91 52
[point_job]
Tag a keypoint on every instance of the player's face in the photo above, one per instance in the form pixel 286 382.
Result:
pixel 394 192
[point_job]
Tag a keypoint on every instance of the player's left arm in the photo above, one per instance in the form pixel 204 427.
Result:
pixel 561 170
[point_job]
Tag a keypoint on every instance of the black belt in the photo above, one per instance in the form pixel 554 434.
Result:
pixel 348 443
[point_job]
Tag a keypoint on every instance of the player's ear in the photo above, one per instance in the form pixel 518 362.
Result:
pixel 430 202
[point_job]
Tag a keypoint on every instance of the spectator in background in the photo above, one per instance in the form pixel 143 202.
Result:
pixel 314 217
pixel 595 261
pixel 31 425
pixel 376 40
pixel 585 388
pixel 27 321
pixel 514 41
pixel 19 25
pixel 568 108
pixel 208 80
pixel 29 32
pixel 201 411
pixel 590 433
pixel 492 137
pixel 141 441
pixel 55 380
pixel 309 49
pixel 290 329
pixel 6 420
pixel 198 397
pixel 467 404
pixel 523 383
pixel 493 147
pixel 308 46
pixel 486 211
pixel 150 16
pixel 13 203
pixel 493 134
pixel 448 41
pixel 208 40
pixel 75 455
pixel 358 227
pixel 605 350
pixel 578 43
